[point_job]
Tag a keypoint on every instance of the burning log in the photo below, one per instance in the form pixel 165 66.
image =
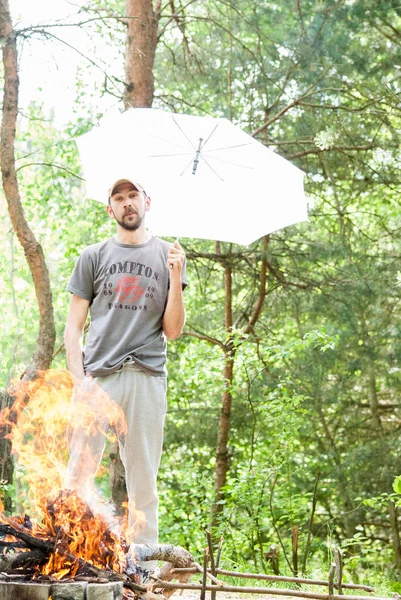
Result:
pixel 30 540
pixel 11 561
pixel 43 549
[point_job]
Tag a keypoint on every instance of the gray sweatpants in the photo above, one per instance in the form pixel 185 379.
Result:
pixel 142 398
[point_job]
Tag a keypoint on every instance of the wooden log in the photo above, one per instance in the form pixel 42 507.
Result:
pixel 262 576
pixel 167 573
pixel 47 547
pixel 12 545
pixel 208 574
pixel 255 590
pixel 16 577
pixel 142 591
pixel 30 540
pixel 176 555
pixel 19 560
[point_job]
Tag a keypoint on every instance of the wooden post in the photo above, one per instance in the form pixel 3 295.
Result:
pixel 219 549
pixel 203 590
pixel 338 556
pixel 212 563
pixel 331 580
pixel 295 531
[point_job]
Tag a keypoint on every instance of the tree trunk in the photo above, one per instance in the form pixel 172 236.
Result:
pixel 32 249
pixel 222 457
pixel 118 485
pixel 222 454
pixel 141 44
pixel 6 461
pixel 395 534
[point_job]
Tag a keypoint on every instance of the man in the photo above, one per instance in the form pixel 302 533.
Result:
pixel 132 285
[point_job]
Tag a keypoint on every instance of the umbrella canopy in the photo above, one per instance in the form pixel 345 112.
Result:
pixel 206 177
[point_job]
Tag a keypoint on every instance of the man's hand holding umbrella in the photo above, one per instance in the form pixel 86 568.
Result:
pixel 175 259
pixel 174 314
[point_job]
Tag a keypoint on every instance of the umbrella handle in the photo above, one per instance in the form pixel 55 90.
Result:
pixel 196 159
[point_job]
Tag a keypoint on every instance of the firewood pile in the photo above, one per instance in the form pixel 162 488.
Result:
pixel 73 545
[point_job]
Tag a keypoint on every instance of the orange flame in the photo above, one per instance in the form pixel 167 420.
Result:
pixel 44 411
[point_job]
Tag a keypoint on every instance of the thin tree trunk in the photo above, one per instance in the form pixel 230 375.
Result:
pixel 222 457
pixel 42 357
pixel 141 44
pixel 395 534
pixel 222 454
pixel 32 249
pixel 118 484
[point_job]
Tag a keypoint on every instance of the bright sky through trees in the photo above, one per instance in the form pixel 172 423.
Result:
pixel 48 66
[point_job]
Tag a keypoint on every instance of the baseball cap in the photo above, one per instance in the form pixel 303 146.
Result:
pixel 136 184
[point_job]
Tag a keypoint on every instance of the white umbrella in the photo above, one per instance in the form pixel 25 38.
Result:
pixel 206 177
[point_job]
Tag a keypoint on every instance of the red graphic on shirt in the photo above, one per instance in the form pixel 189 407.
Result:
pixel 129 289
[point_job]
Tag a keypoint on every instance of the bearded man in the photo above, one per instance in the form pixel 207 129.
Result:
pixel 132 285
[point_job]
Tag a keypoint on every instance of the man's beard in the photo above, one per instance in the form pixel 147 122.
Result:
pixel 130 226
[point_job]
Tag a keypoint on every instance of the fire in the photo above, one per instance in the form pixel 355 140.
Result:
pixel 81 533
pixel 40 425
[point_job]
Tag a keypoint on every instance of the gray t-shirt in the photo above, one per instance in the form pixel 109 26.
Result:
pixel 127 288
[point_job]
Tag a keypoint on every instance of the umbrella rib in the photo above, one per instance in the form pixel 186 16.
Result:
pixel 229 162
pixel 175 154
pixel 157 137
pixel 204 144
pixel 190 163
pixel 210 167
pixel 184 134
pixel 228 147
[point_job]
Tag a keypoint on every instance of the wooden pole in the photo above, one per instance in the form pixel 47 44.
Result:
pixel 201 570
pixel 212 564
pixel 294 535
pixel 219 549
pixel 331 580
pixel 350 586
pixel 203 586
pixel 339 569
pixel 254 590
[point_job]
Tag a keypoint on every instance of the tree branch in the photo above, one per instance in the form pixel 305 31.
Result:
pixel 206 338
pixel 285 109
pixel 52 165
pixel 335 148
